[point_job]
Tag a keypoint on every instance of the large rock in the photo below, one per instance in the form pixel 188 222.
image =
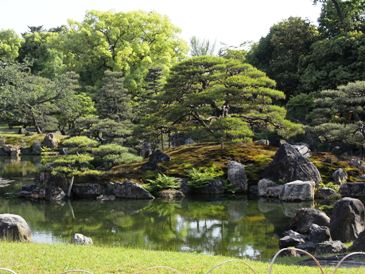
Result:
pixel 36 148
pixel 359 243
pixel 14 228
pixel 12 151
pixel 236 176
pixel 339 176
pixel 263 185
pixel 50 141
pixel 348 219
pixel 129 190
pixel 291 238
pixel 327 194
pixel 305 217
pixel 155 158
pixel 298 191
pixel 215 187
pixel 55 194
pixel 289 165
pixel 87 191
pixel 319 234
pixel 80 239
pixel 171 194
pixel 355 190
pixel 330 247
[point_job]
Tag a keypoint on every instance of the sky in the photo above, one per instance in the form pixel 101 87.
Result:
pixel 225 22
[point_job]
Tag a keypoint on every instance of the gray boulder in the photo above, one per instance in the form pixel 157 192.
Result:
pixel 36 148
pixel 348 219
pixel 274 191
pixel 330 247
pixel 236 176
pixel 298 191
pixel 80 239
pixel 50 141
pixel 304 150
pixel 87 191
pixel 263 185
pixel 305 217
pixel 340 176
pixel 359 243
pixel 55 194
pixel 155 158
pixel 319 234
pixel 129 190
pixel 327 194
pixel 291 238
pixel 14 228
pixel 215 187
pixel 171 194
pixel 355 190
pixel 289 165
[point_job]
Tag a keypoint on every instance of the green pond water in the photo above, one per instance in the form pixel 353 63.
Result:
pixel 239 226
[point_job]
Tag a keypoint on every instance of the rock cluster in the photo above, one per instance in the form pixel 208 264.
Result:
pixel 314 231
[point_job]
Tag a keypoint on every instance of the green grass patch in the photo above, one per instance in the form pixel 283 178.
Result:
pixel 42 258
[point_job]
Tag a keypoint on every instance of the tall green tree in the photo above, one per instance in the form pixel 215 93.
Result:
pixel 130 42
pixel 223 99
pixel 338 117
pixel 10 43
pixel 341 16
pixel 279 53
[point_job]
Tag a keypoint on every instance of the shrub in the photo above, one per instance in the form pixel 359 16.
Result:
pixel 161 182
pixel 109 149
pixel 200 177
pixel 79 144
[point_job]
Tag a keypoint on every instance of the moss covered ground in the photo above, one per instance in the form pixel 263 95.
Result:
pixel 255 157
pixel 42 258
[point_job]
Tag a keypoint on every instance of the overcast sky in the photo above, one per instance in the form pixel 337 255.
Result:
pixel 223 21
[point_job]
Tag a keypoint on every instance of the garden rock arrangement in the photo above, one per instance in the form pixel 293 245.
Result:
pixel 14 228
pixel 296 174
pixel 312 230
pixel 355 190
pixel 290 165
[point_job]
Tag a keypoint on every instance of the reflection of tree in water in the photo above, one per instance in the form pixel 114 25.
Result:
pixel 229 227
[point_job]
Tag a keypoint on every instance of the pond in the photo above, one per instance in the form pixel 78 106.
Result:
pixel 235 227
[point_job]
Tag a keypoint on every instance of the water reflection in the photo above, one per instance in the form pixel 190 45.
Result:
pixel 238 227
pixel 226 227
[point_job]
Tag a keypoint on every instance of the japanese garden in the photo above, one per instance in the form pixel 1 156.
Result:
pixel 125 148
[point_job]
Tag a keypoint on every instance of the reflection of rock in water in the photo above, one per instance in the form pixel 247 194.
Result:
pixel 279 213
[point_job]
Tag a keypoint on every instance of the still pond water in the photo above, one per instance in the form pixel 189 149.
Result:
pixel 235 227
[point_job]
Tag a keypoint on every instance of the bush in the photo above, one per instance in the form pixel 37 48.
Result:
pixel 109 149
pixel 200 177
pixel 162 182
pixel 79 144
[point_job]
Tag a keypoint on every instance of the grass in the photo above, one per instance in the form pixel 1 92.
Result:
pixel 42 258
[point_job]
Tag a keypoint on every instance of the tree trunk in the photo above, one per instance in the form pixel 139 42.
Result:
pixel 70 186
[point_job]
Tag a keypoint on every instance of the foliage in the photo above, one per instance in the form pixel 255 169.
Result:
pixel 161 182
pixel 80 143
pixel 200 177
pixel 214 94
pixel 339 116
pixel 10 43
pixel 279 53
pixel 338 16
pixel 333 62
pixel 113 154
pixel 200 47
pixel 130 42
